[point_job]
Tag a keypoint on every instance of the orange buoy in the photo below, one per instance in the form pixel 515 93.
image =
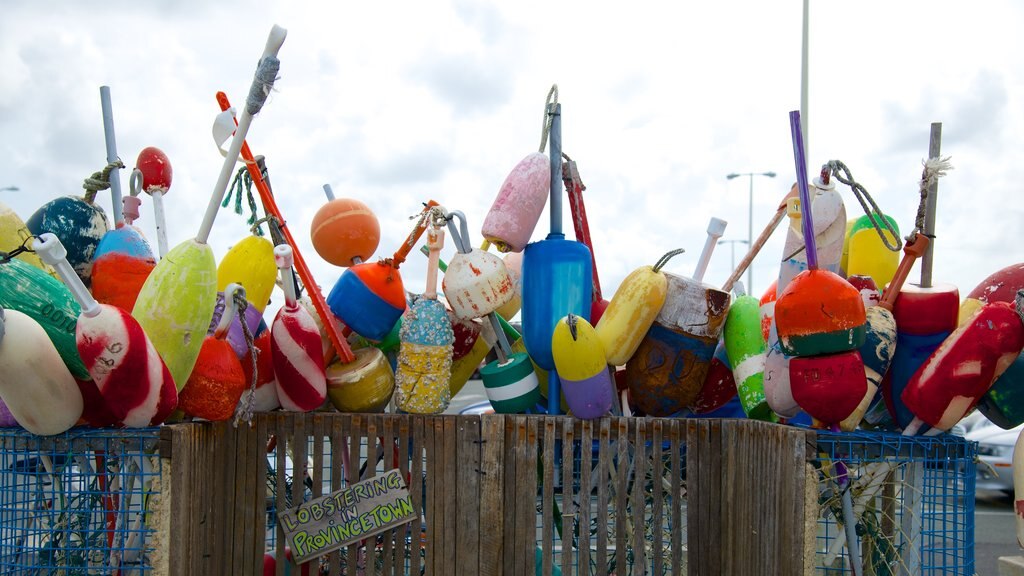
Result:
pixel 345 231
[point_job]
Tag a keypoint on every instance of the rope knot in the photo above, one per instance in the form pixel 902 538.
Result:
pixel 99 180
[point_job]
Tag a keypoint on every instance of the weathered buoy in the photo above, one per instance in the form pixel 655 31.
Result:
pixel 132 380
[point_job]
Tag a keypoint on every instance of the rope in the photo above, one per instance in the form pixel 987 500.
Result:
pixel 244 180
pixel 934 168
pixel 245 408
pixel 668 256
pixel 6 257
pixel 549 104
pixel 842 173
pixel 99 181
pixel 262 84
pixel 571 320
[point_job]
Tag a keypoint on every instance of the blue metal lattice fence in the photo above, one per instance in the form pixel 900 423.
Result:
pixel 913 498
pixel 78 502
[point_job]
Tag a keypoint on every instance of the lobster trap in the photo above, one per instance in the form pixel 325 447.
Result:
pixel 912 501
pixel 77 503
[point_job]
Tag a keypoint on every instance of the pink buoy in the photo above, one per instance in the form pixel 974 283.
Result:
pixel 510 222
pixel 295 345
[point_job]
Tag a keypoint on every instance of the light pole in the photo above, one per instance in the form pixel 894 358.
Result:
pixel 732 249
pixel 750 219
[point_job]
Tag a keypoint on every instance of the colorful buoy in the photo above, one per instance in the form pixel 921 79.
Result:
pixel 132 380
pixel 46 300
pixel 425 355
pixel 296 348
pixel 364 385
pixel 345 231
pixel 217 382
pixel 250 262
pixel 582 368
pixel 79 225
pixel 36 386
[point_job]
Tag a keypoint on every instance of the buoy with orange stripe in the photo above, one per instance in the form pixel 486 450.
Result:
pixel 369 297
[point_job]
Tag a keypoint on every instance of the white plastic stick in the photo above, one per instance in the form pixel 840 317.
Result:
pixel 161 222
pixel 284 260
pixel 274 42
pixel 328 192
pixel 52 252
pixel 716 227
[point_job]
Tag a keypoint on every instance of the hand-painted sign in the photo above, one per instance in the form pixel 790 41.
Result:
pixel 351 514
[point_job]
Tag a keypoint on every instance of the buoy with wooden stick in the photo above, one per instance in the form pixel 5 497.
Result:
pixel 926 313
pixel 668 368
pixel 425 355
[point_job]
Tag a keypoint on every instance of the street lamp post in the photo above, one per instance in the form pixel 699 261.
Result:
pixel 750 218
pixel 732 244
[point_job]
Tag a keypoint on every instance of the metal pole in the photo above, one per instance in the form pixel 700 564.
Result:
pixel 750 235
pixel 804 60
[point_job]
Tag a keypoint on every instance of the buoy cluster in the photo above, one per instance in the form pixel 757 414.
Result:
pixel 97 329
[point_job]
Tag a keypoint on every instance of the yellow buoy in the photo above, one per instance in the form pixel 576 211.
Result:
pixel 251 264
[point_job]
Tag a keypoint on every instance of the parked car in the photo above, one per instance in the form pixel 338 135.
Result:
pixel 995 454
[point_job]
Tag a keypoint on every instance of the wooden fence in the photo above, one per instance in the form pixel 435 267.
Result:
pixel 498 494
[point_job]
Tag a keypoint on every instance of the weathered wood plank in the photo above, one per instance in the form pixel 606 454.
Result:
pixel 657 477
pixel 451 507
pixel 526 495
pixel 491 518
pixel 639 498
pixel 245 439
pixel 677 440
pixel 388 444
pixel 569 508
pixel 548 490
pixel 467 496
pixel 258 542
pixel 283 434
pixel 510 471
pixel 354 433
pixel 622 542
pixel 181 442
pixel 299 449
pixel 586 461
pixel 604 464
pixel 697 506
pixel 338 448
pixel 417 552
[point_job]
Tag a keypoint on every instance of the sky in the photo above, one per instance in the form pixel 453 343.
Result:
pixel 395 103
